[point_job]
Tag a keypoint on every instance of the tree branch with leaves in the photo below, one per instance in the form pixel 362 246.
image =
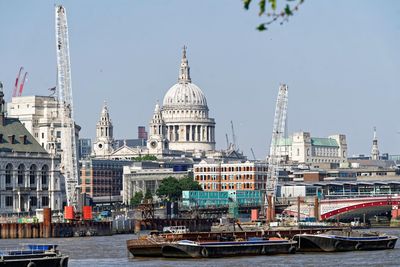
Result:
pixel 270 9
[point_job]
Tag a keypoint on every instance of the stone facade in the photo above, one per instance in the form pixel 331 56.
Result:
pixel 304 149
pixel 29 175
pixel 185 123
pixel 103 145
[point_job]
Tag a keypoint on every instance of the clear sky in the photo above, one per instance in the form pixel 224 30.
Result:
pixel 341 60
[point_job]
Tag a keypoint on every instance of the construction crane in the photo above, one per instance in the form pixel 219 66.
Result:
pixel 235 145
pixel 227 141
pixel 278 133
pixel 252 152
pixel 21 87
pixel 69 167
pixel 14 94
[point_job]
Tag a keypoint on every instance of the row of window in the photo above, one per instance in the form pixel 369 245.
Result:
pixel 33 173
pixel 231 169
pixel 230 177
pixel 32 201
pixel 233 186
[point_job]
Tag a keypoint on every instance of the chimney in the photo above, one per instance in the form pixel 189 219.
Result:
pixel 11 139
pixel 22 139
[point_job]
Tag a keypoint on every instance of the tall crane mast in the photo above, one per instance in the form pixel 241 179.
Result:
pixel 69 166
pixel 278 133
pixel 235 145
pixel 14 94
pixel 21 87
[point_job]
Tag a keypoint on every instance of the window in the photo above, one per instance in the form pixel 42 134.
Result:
pixel 45 201
pixel 21 172
pixel 32 175
pixel 45 174
pixel 42 135
pixel 33 201
pixel 9 174
pixel 58 134
pixel 9 201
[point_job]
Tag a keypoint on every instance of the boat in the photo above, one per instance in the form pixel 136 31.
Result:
pixel 346 240
pixel 146 246
pixel 34 255
pixel 252 247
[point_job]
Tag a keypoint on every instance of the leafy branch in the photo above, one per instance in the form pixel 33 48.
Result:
pixel 289 9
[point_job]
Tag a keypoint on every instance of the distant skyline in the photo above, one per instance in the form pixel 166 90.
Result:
pixel 340 60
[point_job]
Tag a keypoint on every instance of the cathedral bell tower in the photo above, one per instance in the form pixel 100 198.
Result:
pixel 103 146
pixel 375 149
pixel 157 143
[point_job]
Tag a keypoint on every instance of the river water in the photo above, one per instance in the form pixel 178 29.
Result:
pixel 111 251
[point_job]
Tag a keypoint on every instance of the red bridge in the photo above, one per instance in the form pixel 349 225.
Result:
pixel 349 207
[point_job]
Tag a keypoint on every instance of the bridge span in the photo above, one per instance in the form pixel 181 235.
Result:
pixel 348 208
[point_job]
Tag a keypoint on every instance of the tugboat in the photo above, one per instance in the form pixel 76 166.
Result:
pixel 346 240
pixel 253 247
pixel 33 256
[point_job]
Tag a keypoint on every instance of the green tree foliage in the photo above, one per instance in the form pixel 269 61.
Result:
pixel 148 195
pixel 137 198
pixel 171 188
pixel 145 157
pixel 188 183
pixel 275 10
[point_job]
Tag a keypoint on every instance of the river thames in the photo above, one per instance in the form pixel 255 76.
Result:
pixel 111 251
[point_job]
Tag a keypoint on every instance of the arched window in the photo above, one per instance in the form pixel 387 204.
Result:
pixel 9 174
pixel 32 174
pixel 21 172
pixel 45 174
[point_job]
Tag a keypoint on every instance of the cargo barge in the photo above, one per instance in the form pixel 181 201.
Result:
pixel 192 249
pixel 337 241
pixel 151 245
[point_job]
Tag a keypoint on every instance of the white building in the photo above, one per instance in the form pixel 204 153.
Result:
pixel 183 122
pixel 29 175
pixel 304 149
pixel 39 114
pixel 145 176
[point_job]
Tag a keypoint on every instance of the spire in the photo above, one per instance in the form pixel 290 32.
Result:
pixel 184 72
pixel 375 133
pixel 157 108
pixel 105 108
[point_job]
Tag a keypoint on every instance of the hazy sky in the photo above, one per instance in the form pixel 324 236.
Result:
pixel 341 60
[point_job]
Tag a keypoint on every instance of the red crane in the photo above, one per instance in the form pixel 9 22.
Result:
pixel 21 87
pixel 14 94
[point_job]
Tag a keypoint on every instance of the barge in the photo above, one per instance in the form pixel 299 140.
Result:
pixel 151 245
pixel 336 241
pixel 192 249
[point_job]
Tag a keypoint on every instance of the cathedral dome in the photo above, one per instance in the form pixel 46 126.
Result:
pixel 184 94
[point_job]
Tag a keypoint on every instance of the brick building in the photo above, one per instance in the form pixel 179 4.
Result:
pixel 217 176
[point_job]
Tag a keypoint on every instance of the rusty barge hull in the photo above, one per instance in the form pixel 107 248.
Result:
pixel 153 248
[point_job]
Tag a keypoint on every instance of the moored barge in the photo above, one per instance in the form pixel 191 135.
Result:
pixel 336 241
pixel 192 249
